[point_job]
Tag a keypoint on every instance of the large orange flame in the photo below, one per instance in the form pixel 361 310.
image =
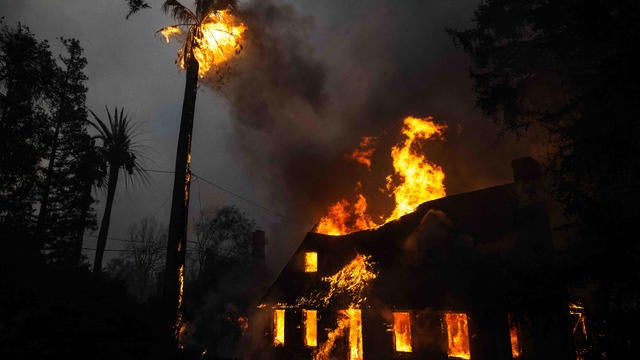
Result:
pixel 216 39
pixel 415 180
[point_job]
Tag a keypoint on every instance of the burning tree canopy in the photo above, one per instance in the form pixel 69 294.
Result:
pixel 213 37
pixel 415 180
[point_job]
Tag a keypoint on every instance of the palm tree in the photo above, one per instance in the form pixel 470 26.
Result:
pixel 177 239
pixel 120 151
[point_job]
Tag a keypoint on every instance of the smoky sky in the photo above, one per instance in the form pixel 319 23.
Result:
pixel 308 87
pixel 313 78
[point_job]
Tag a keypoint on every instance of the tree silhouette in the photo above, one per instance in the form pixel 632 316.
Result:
pixel 176 243
pixel 121 152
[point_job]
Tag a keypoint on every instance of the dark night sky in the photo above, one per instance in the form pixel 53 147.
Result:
pixel 315 76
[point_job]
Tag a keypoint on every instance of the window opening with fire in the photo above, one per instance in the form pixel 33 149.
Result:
pixel 457 335
pixel 310 319
pixel 311 261
pixel 278 327
pixel 402 331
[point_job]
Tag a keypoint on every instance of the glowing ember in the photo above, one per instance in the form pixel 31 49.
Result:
pixel 513 334
pixel 415 181
pixel 278 327
pixel 457 335
pixel 310 262
pixel 212 41
pixel 310 318
pixel 402 331
pixel 180 326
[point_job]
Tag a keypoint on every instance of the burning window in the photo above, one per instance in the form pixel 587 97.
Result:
pixel 402 331
pixel 514 335
pixel 355 333
pixel 310 318
pixel 278 327
pixel 311 261
pixel 457 335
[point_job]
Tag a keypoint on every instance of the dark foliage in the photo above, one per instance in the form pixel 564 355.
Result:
pixel 44 149
pixel 72 314
pixel 135 6
pixel 571 68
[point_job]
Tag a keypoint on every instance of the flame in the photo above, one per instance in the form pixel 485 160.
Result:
pixel 351 279
pixel 421 180
pixel 215 40
pixel 402 331
pixel 169 31
pixel 310 318
pixel 278 327
pixel 415 181
pixel 344 218
pixel 457 335
pixel 364 151
pixel 348 320
pixel 513 334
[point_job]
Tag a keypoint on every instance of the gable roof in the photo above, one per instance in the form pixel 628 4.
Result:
pixel 424 258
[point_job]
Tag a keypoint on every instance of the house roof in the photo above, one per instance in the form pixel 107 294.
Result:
pixel 430 257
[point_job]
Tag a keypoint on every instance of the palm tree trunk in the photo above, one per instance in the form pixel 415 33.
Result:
pixel 106 217
pixel 177 241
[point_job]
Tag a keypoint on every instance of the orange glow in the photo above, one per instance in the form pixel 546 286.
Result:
pixel 324 351
pixel 457 335
pixel 168 31
pixel 513 334
pixel 310 318
pixel 213 41
pixel 364 151
pixel 351 279
pixel 415 180
pixel 345 217
pixel 278 327
pixel 355 333
pixel 402 331
pixel 310 261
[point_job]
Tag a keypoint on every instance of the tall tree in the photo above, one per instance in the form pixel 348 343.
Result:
pixel 26 75
pixel 44 142
pixel 177 240
pixel 121 152
pixel 63 196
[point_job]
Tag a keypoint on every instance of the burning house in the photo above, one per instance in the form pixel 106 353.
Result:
pixel 468 276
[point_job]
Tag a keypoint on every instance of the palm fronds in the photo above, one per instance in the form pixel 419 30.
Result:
pixel 120 145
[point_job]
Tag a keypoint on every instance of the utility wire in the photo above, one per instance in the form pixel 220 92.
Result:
pixel 212 183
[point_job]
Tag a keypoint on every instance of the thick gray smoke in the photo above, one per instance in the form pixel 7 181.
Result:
pixel 307 88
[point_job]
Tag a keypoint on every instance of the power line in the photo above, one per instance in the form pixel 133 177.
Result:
pixel 248 200
pixel 212 183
